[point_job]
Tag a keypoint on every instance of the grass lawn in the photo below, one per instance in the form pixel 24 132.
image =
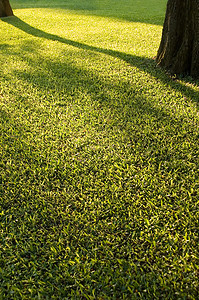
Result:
pixel 99 169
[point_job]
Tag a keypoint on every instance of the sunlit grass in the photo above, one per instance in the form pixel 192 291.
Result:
pixel 135 10
pixel 99 159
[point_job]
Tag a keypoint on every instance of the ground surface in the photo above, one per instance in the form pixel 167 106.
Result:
pixel 99 156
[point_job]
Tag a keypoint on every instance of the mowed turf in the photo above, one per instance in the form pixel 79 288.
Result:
pixel 99 180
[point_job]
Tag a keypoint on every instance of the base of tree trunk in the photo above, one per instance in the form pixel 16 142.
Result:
pixel 5 9
pixel 179 47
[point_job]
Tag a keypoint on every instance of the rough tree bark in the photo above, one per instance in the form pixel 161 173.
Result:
pixel 5 8
pixel 179 48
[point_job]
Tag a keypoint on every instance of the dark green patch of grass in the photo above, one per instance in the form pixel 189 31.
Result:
pixel 99 162
pixel 137 11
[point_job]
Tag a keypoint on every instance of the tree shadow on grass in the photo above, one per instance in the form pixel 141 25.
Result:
pixel 151 142
pixel 151 12
pixel 70 4
pixel 146 148
pixel 145 64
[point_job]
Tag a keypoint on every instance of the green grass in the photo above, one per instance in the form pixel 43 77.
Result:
pixel 134 10
pixel 99 178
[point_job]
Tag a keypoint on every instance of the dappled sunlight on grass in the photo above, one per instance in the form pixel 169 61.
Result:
pixel 99 159
pixel 150 11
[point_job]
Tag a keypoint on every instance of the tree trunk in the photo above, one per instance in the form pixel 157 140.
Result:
pixel 179 47
pixel 5 8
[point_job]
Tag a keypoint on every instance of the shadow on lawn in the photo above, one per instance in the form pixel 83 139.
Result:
pixel 122 118
pixel 146 64
pixel 150 12
pixel 57 174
